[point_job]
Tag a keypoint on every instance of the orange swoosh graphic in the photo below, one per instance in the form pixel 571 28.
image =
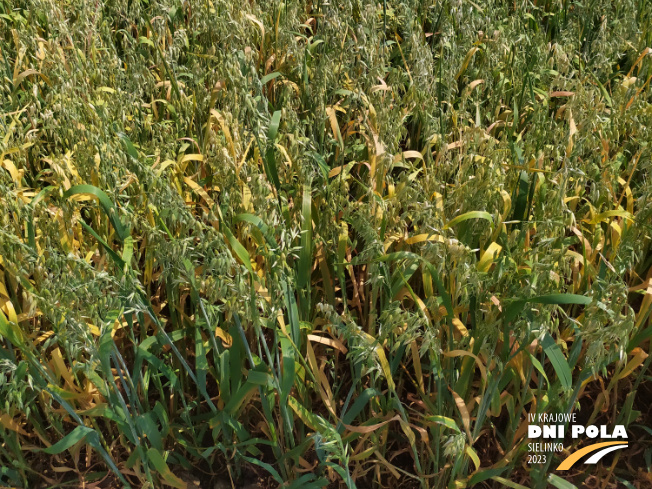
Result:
pixel 570 461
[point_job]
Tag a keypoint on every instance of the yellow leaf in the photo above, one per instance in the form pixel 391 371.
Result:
pixel 439 201
pixel 226 338
pixel 416 361
pixel 8 308
pixel 507 204
pixel 246 198
pixel 574 254
pixel 184 159
pixel 93 329
pixel 389 466
pixel 369 428
pixel 284 152
pixel 425 237
pixel 628 194
pixel 455 145
pixel 382 358
pixel 200 191
pixel 464 353
pixel 615 234
pixel 61 369
pixel 164 165
pixel 460 327
pixel 303 414
pixel 333 343
pixel 488 257
pixel 466 61
pixel 225 129
pixel 466 418
pixel 408 432
pixel 638 359
pixel 324 386
pixel 608 214
pixel 9 423
pixel 645 305
pixel 474 84
pixel 16 175
pixel 385 366
pixel 408 154
pixel 473 456
pixel 335 126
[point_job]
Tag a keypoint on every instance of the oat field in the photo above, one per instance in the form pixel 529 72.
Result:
pixel 307 244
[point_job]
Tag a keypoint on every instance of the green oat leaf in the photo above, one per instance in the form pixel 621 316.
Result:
pixel 560 483
pixel 105 203
pixel 559 363
pixel 270 155
pixel 80 433
pixel 469 215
